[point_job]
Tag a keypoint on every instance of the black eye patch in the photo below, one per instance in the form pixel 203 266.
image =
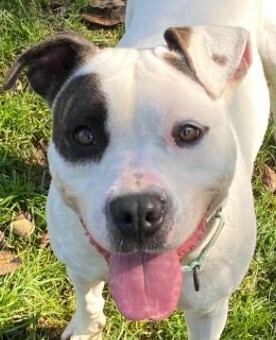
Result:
pixel 79 123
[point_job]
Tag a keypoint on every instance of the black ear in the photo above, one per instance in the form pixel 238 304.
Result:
pixel 50 63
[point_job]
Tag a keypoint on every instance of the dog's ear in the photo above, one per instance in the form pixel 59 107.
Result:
pixel 215 56
pixel 50 63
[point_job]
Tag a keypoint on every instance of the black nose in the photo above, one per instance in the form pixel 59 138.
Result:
pixel 138 213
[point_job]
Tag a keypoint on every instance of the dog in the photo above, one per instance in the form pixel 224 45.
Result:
pixel 152 154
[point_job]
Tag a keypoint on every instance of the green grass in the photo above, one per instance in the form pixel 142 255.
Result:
pixel 37 300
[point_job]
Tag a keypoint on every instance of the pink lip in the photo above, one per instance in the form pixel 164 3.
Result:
pixel 91 240
pixel 182 250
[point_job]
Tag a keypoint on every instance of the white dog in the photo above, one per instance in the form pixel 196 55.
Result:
pixel 152 154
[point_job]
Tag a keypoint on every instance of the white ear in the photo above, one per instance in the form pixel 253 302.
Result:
pixel 215 55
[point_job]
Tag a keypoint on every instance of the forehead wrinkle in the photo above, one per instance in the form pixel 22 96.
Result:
pixel 121 94
pixel 132 99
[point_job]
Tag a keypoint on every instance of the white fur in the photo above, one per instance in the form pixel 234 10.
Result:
pixel 154 97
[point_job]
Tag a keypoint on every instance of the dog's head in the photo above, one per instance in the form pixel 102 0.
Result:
pixel 142 148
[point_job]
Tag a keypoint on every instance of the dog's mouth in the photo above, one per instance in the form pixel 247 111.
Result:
pixel 147 285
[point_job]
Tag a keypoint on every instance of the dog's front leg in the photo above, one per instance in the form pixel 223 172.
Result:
pixel 89 320
pixel 207 325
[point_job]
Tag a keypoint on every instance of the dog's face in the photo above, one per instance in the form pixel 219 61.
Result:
pixel 132 133
pixel 142 148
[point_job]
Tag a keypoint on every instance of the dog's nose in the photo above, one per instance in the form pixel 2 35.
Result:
pixel 138 213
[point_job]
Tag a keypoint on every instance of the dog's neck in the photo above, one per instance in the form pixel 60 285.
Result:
pixel 146 21
pixel 150 32
pixel 194 260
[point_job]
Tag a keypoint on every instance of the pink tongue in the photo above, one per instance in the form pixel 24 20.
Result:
pixel 145 286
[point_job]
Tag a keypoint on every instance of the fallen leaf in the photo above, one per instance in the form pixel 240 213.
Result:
pixel 3 243
pixel 99 20
pixel 8 262
pixel 269 178
pixel 22 225
pixel 43 240
pixel 104 13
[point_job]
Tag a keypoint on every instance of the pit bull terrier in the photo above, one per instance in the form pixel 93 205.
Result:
pixel 152 154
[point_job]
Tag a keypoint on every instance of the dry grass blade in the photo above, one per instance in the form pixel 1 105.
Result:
pixel 1 237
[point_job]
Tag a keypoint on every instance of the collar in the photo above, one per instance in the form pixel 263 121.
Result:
pixel 216 221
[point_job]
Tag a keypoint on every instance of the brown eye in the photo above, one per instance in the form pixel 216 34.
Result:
pixel 188 133
pixel 83 136
pixel 185 134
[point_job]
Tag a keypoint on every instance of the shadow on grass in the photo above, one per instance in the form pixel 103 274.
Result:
pixel 28 329
pixel 19 176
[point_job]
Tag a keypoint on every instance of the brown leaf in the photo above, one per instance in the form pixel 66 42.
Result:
pixel 8 262
pixel 3 243
pixel 104 13
pixel 269 178
pixel 43 240
pixel 99 20
pixel 22 225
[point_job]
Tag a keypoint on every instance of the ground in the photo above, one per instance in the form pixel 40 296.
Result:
pixel 37 301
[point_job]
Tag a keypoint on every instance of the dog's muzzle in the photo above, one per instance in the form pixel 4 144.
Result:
pixel 145 271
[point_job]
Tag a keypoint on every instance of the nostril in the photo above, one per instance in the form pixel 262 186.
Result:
pixel 126 222
pixel 150 217
pixel 127 218
pixel 154 217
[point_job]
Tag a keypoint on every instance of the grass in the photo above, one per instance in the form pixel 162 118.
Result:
pixel 37 300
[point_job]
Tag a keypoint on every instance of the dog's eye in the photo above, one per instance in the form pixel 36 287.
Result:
pixel 185 134
pixel 83 135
